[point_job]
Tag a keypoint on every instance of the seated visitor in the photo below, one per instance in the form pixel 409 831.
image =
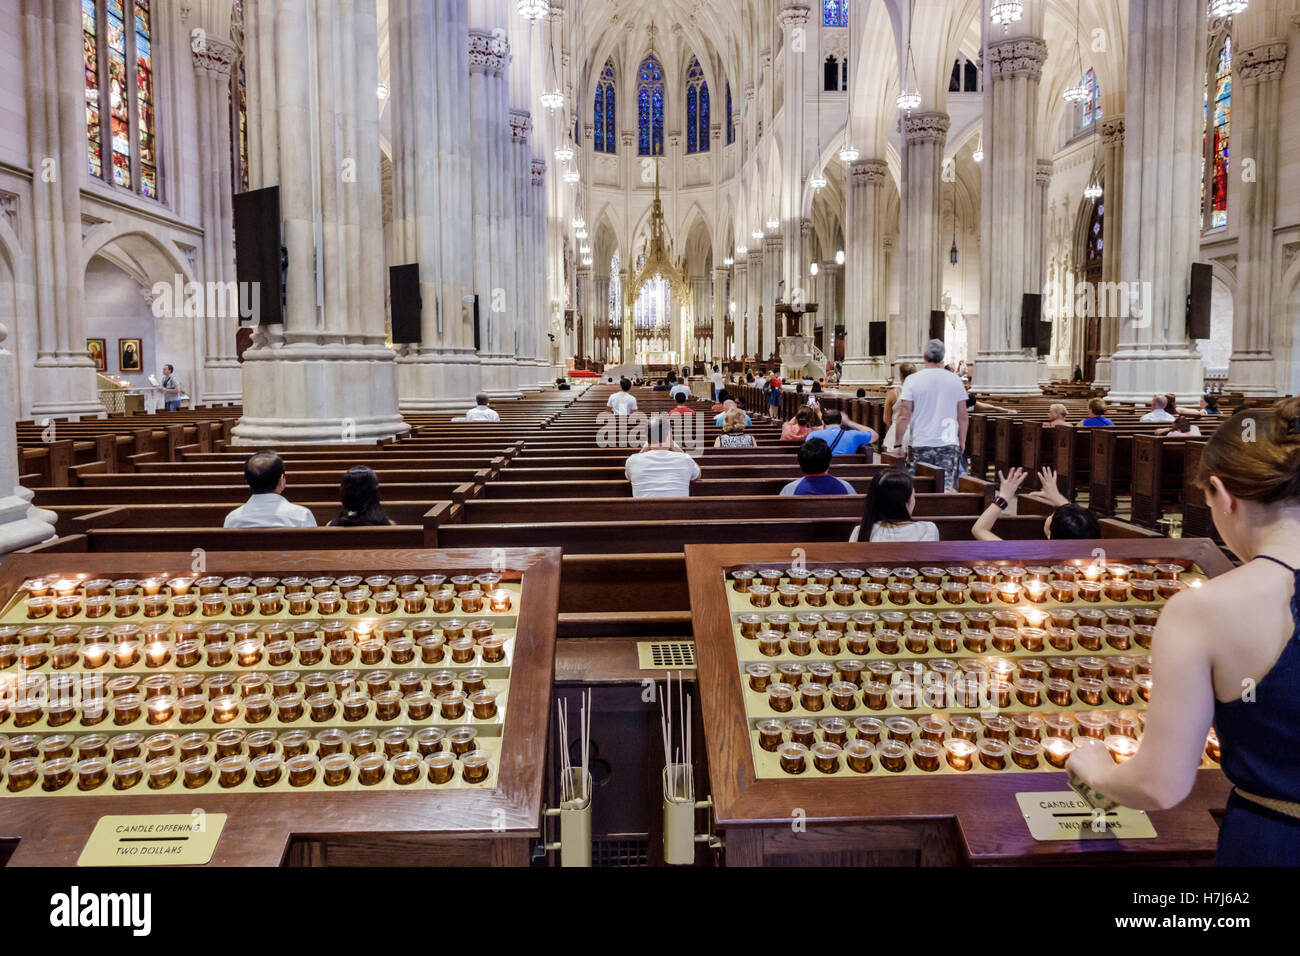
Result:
pixel 843 435
pixel 728 406
pixel 680 388
pixel 267 507
pixel 359 494
pixel 1158 413
pixel 622 402
pixel 661 469
pixel 887 512
pixel 1239 631
pixel 862 393
pixel 1066 522
pixel 681 408
pixel 733 431
pixel 482 410
pixel 1210 405
pixel 1098 419
pixel 1181 428
pixel 799 427
pixel 1058 416
pixel 720 404
pixel 562 384
pixel 815 463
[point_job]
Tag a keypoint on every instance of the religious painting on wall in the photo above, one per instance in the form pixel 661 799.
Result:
pixel 129 355
pixel 95 348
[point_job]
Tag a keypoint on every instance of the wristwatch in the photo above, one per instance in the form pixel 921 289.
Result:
pixel 1000 502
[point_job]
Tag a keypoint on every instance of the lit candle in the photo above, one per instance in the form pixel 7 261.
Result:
pixel 500 600
pixel 66 587
pixel 1212 748
pixel 225 709
pixel 1094 572
pixel 1057 750
pixel 961 753
pixel 1121 748
pixel 157 653
pixel 161 709
pixel 1035 591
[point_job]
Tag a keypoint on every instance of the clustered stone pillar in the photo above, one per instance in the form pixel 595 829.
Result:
pixel 519 242
pixel 754 303
pixel 1161 221
pixel 794 22
pixel 1037 257
pixel 1256 120
pixel 62 382
pixel 550 361
pixel 924 135
pixel 213 60
pixel 21 525
pixel 587 285
pixel 598 314
pixel 828 307
pixel 744 341
pixel 721 347
pixel 773 248
pixel 1112 172
pixel 314 118
pixel 864 273
pixel 1005 364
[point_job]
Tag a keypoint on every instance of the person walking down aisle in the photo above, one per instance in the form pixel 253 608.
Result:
pixel 933 405
pixel 1231 650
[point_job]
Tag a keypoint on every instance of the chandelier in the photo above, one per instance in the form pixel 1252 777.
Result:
pixel 382 91
pixel 816 182
pixel 563 154
pixel 1226 8
pixel 757 235
pixel 773 225
pixel 1077 93
pixel 572 176
pixel 1006 11
pixel 585 250
pixel 849 154
pixel 579 222
pixel 1092 191
pixel 532 10
pixel 581 233
pixel 552 100
pixel 978 154
pixel 728 262
pixel 909 100
pixel 742 250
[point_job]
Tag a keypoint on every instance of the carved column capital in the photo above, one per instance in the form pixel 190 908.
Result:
pixel 1112 131
pixel 868 172
pixel 1266 61
pixel 928 127
pixel 1015 56
pixel 214 56
pixel 489 52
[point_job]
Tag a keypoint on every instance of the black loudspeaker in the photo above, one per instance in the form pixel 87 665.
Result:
pixel 477 332
pixel 405 302
pixel 937 319
pixel 1198 301
pixel 1044 338
pixel 1031 313
pixel 876 344
pixel 259 255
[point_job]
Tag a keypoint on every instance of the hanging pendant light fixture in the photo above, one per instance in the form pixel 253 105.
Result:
pixel 1079 91
pixel 1092 191
pixel 978 154
pixel 1226 8
pixel 817 181
pixel 952 253
pixel 572 176
pixel 772 225
pixel 532 10
pixel 910 98
pixel 564 153
pixel 1006 11
pixel 742 250
pixel 849 153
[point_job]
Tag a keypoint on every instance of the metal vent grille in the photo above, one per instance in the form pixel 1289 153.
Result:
pixel 670 655
pixel 620 851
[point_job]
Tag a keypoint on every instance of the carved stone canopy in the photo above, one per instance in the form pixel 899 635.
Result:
pixel 658 259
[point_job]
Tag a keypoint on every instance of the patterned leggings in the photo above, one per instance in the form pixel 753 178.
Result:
pixel 944 457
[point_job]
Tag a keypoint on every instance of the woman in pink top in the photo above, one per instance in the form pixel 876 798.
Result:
pixel 797 428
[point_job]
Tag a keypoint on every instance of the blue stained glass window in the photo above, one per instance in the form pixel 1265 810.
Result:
pixel 731 120
pixel 697 109
pixel 835 13
pixel 650 108
pixel 603 118
pixel 1092 104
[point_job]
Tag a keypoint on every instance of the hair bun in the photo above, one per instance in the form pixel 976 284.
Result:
pixel 1288 417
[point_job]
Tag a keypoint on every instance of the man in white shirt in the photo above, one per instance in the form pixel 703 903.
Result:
pixel 717 382
pixel 1159 411
pixel 933 404
pixel 482 412
pixel 661 469
pixel 267 508
pixel 622 402
pixel 680 388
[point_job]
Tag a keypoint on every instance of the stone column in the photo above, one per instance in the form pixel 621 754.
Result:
pixel 1005 364
pixel 325 374
pixel 519 240
pixel 794 25
pixel 773 247
pixel 63 381
pixel 828 307
pixel 1112 166
pixel 213 61
pixel 21 525
pixel 739 288
pixel 754 306
pixel 721 352
pixel 864 274
pixel 1162 211
pixel 1037 248
pixel 1257 117
pixel 549 365
pixel 924 135
pixel 587 292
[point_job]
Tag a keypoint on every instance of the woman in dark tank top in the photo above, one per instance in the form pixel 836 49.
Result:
pixel 1228 655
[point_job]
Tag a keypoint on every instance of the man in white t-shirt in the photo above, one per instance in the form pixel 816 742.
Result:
pixel 933 405
pixel 718 382
pixel 1159 411
pixel 622 402
pixel 661 469
pixel 680 388
pixel 482 412
pixel 267 507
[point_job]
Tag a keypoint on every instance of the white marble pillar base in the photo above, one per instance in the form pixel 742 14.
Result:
pixel 308 394
pixel 864 371
pixel 1252 373
pixel 438 381
pixel 1007 373
pixel 1101 378
pixel 64 387
pixel 21 525
pixel 1138 374
pixel 500 376
pixel 222 381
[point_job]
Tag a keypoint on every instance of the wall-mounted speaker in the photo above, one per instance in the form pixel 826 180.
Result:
pixel 876 338
pixel 405 302
pixel 260 259
pixel 1198 301
pixel 937 320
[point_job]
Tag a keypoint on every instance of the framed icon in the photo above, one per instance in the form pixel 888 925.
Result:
pixel 130 355
pixel 96 349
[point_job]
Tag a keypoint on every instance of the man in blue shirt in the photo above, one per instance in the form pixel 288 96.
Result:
pixel 815 462
pixel 1098 419
pixel 843 435
pixel 727 406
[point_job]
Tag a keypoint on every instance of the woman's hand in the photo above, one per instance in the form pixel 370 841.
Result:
pixel 1051 491
pixel 1091 764
pixel 1010 483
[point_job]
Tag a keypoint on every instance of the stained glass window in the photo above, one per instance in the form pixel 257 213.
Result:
pixel 731 119
pixel 1096 232
pixel 650 107
pixel 90 54
pixel 697 109
pixel 835 13
pixel 119 67
pixel 1092 102
pixel 1219 141
pixel 604 116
